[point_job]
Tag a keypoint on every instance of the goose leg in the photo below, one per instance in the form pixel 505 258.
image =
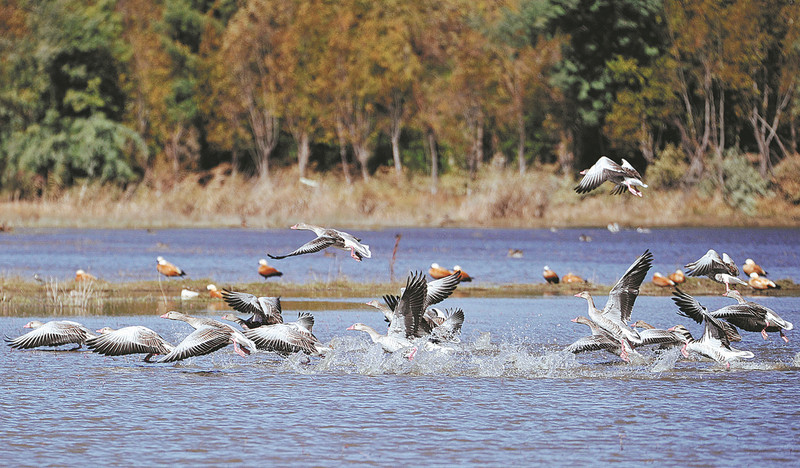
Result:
pixel 684 352
pixel 353 254
pixel 764 331
pixel 148 356
pixel 783 335
pixel 412 353
pixel 624 353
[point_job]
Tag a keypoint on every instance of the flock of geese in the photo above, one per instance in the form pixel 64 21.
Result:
pixel 414 323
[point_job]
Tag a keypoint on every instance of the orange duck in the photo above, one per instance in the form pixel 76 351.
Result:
pixel 267 271
pixel 662 281
pixel 751 267
pixel 572 278
pixel 81 275
pixel 167 269
pixel 214 292
pixel 759 282
pixel 437 271
pixel 549 275
pixel 678 277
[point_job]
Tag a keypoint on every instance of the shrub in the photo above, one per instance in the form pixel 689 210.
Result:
pixel 668 169
pixel 742 184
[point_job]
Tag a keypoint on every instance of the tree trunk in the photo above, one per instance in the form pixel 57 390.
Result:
pixel 566 158
pixel 396 114
pixel 303 152
pixel 434 162
pixel 521 141
pixel 340 133
pixel 362 154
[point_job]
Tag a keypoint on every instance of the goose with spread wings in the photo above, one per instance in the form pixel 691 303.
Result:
pixel 715 342
pixel 264 310
pixel 209 336
pixel 614 317
pixel 129 340
pixel 328 237
pixel 721 269
pixel 623 176
pixel 53 333
pixel 761 318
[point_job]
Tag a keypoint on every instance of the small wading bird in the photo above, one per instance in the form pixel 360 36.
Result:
pixel 267 271
pixel 168 269
pixel 624 176
pixel 720 269
pixel 327 237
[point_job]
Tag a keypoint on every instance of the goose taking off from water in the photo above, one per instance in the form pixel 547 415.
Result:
pixel 168 269
pixel 327 237
pixel 614 317
pixel 129 340
pixel 54 333
pixel 763 319
pixel 209 336
pixel 265 310
pixel 720 269
pixel 623 176
pixel 283 338
pixel 267 271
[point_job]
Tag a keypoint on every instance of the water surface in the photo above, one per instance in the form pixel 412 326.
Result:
pixel 510 396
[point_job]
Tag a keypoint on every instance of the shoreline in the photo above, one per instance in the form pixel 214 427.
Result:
pixel 30 298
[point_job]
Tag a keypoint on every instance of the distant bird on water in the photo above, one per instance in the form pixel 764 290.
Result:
pixel 267 271
pixel 623 176
pixel 328 237
pixel 168 269
pixel 549 275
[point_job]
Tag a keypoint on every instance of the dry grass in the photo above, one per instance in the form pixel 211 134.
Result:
pixel 499 198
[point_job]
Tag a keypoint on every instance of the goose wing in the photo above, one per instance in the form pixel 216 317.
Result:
pixel 409 310
pixel 451 326
pixel 265 310
pixel 709 264
pixel 282 338
pixel 597 174
pixel 658 336
pixel 314 245
pixel 54 333
pixel 441 289
pixel 592 343
pixel 129 340
pixel 204 340
pixel 623 295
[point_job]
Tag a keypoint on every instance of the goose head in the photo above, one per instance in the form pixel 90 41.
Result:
pixel 33 324
pixel 105 330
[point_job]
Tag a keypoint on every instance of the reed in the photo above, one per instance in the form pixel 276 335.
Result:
pixel 497 198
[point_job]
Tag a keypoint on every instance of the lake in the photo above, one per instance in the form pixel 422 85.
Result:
pixel 231 255
pixel 509 396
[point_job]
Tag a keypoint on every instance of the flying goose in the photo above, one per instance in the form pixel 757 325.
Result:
pixel 129 340
pixel 209 336
pixel 623 176
pixel 327 237
pixel 54 333
pixel 720 269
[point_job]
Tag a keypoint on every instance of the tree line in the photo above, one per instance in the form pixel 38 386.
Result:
pixel 131 90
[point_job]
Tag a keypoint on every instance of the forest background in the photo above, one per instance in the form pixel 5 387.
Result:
pixel 136 113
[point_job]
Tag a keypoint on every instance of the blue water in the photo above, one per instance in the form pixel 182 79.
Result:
pixel 509 397
pixel 231 255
